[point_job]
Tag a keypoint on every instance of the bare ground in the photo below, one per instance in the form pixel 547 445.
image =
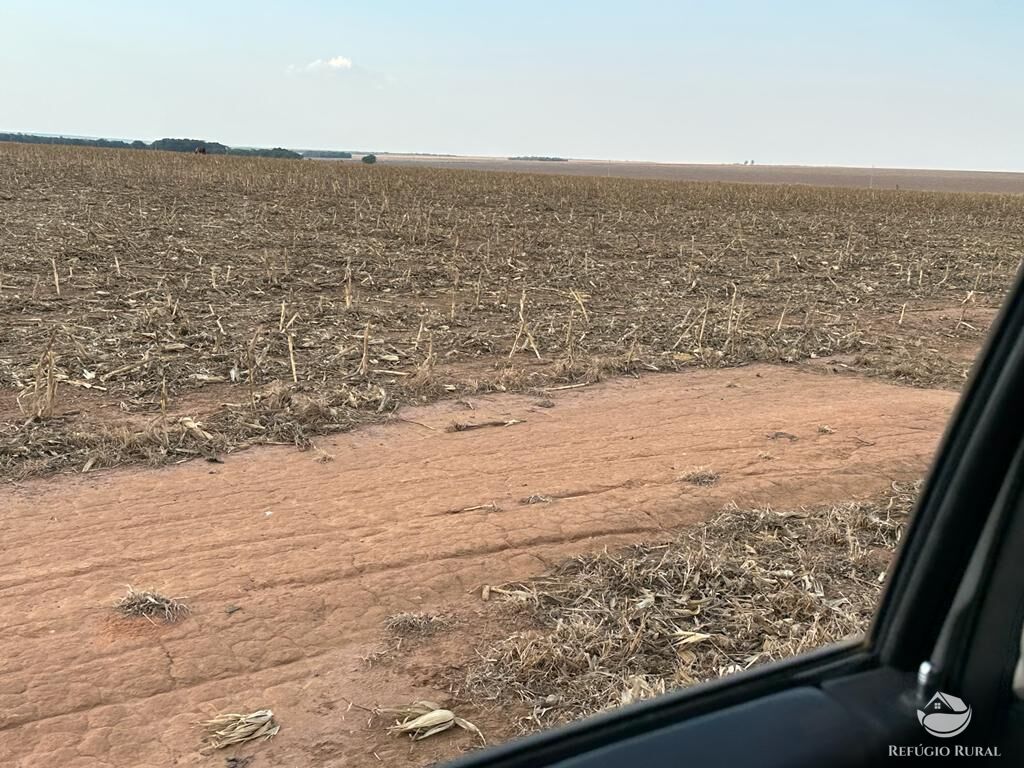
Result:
pixel 316 549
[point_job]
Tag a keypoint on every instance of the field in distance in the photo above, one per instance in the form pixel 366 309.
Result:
pixel 867 178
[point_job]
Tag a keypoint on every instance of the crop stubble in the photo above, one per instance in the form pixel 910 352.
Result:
pixel 158 307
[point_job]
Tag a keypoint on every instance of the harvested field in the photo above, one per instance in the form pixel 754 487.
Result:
pixel 428 335
pixel 997 182
pixel 747 587
pixel 159 307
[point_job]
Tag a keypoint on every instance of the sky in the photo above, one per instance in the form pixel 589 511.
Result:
pixel 888 83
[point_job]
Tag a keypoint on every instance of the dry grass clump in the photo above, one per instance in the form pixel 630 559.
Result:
pixel 151 605
pixel 914 366
pixel 278 415
pixel 416 624
pixel 701 476
pixel 749 586
pixel 225 730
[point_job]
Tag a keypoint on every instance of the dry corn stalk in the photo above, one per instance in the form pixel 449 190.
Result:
pixel 580 299
pixel 422 719
pixel 44 391
pixel 193 426
pixel 364 363
pixel 225 730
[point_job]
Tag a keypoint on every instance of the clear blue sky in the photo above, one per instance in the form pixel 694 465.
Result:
pixel 875 82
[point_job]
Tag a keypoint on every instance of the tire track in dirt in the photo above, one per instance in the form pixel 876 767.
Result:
pixel 317 555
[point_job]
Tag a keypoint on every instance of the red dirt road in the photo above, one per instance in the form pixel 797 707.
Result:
pixel 315 555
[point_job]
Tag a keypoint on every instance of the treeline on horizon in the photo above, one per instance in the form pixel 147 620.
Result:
pixel 328 154
pixel 166 145
pixel 542 157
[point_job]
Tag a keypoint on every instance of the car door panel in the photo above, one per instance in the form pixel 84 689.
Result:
pixel 799 728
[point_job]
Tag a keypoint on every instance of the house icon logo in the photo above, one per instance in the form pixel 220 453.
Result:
pixel 944 716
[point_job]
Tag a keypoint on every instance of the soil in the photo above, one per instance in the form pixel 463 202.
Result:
pixel 291 560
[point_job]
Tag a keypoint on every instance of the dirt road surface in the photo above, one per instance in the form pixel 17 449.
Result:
pixel 291 561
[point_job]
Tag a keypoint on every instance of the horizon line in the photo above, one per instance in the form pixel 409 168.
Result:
pixel 408 153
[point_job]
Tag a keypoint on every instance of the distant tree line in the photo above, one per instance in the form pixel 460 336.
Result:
pixel 261 152
pixel 541 157
pixel 189 145
pixel 329 154
pixel 29 138
pixel 167 145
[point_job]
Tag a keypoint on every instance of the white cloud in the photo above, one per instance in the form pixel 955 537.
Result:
pixel 334 63
pixel 339 62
